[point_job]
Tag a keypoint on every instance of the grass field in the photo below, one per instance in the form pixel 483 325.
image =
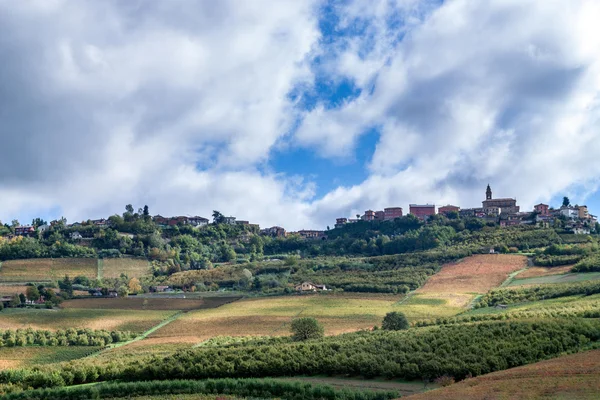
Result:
pixel 271 316
pixel 565 278
pixel 132 267
pixel 568 377
pixel 47 269
pixel 146 303
pixel 572 303
pixel 14 357
pixel 535 272
pixel 123 320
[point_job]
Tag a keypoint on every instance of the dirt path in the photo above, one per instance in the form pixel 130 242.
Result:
pixel 140 337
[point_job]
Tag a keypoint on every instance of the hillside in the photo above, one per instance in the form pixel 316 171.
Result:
pixel 574 377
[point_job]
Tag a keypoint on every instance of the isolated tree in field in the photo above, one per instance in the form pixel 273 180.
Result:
pixel 134 285
pixel 566 202
pixel 32 293
pixel 306 328
pixel 395 321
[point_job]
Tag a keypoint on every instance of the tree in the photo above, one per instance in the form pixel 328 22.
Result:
pixel 306 328
pixel 66 286
pixel 122 291
pixel 134 285
pixel 218 218
pixel 566 202
pixel 22 298
pixel 37 222
pixel 129 208
pixel 15 301
pixel 146 212
pixel 32 293
pixel 395 321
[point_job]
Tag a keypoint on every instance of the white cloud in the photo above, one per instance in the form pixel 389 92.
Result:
pixel 179 104
pixel 501 92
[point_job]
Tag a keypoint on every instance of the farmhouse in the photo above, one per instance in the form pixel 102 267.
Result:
pixel 309 287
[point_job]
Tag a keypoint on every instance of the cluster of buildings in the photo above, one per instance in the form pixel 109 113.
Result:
pixel 504 211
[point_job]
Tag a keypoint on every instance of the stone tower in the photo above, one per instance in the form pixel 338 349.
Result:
pixel 488 193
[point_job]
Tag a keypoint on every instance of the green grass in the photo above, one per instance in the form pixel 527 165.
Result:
pixel 561 303
pixel 565 278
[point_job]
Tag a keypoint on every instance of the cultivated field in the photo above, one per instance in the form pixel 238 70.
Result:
pixel 147 303
pixel 565 278
pixel 47 269
pixel 122 320
pixel 456 285
pixel 271 316
pixel 11 290
pixel 15 357
pixel 568 377
pixel 475 274
pixel 132 267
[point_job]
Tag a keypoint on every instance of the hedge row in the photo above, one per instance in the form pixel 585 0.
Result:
pixel 69 337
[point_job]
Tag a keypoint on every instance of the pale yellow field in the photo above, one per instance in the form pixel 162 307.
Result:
pixel 124 320
pixel 132 267
pixel 47 269
pixel 272 315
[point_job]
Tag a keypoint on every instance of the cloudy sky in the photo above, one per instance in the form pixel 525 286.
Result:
pixel 292 113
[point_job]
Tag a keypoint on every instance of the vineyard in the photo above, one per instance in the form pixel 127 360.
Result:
pixel 47 269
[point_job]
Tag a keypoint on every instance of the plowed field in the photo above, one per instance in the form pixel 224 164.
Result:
pixel 476 274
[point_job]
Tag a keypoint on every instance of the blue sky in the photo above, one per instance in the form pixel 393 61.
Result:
pixel 294 113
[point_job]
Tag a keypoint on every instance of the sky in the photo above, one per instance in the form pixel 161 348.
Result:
pixel 293 113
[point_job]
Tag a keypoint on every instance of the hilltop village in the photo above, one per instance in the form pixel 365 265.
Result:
pixel 503 212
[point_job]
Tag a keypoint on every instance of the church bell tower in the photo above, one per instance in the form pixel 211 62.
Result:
pixel 488 192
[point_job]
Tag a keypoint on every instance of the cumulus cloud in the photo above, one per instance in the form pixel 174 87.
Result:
pixel 182 104
pixel 170 104
pixel 501 92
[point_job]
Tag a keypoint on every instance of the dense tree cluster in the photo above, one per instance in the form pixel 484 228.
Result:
pixel 68 337
pixel 418 353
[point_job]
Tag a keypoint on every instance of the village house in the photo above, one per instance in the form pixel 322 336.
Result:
pixel 369 216
pixel 422 211
pixel 274 231
pixel 542 209
pixel 229 220
pixel 26 230
pixel 198 221
pixel 309 287
pixel 340 222
pixel 101 223
pixel 391 213
pixel 312 234
pixel 76 235
pixel 448 209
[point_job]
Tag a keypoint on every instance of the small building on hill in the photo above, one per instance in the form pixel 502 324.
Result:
pixel 309 287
